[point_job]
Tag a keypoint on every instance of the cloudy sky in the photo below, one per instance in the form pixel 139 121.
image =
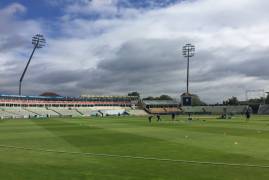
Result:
pixel 111 47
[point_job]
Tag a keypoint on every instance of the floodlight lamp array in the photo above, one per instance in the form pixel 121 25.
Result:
pixel 188 50
pixel 38 41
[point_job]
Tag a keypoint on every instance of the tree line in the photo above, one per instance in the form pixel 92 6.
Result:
pixel 196 100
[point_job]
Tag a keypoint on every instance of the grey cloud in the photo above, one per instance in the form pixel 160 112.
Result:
pixel 150 66
pixel 59 77
pixel 255 65
pixel 10 42
pixel 143 53
pixel 140 64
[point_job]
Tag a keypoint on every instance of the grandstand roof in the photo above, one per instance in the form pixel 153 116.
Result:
pixel 116 98
pixel 160 102
pixel 30 97
pixel 96 96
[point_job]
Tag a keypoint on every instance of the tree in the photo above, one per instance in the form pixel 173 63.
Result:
pixel 196 101
pixel 165 97
pixel 162 97
pixel 51 94
pixel 134 94
pixel 231 101
pixel 149 98
pixel 257 100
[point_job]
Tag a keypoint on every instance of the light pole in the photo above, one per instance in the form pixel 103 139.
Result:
pixel 188 51
pixel 38 41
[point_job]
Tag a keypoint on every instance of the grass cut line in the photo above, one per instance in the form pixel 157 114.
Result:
pixel 135 157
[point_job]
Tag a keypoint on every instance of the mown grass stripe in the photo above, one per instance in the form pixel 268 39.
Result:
pixel 135 157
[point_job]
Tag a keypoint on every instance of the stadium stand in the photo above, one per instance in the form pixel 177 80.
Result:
pixel 19 112
pixel 86 111
pixel 263 109
pixel 97 113
pixel 4 114
pixel 65 111
pixel 42 111
pixel 214 109
pixel 112 112
pixel 161 106
pixel 137 112
pixel 172 109
pixel 99 110
pixel 157 110
pixel 14 106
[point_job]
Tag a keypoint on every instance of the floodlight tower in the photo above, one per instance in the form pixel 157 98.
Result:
pixel 188 51
pixel 38 41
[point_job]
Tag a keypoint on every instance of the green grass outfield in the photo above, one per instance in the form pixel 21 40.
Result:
pixel 57 148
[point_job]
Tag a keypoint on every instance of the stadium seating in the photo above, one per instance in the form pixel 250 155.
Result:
pixel 137 112
pixel 18 112
pixel 4 114
pixel 108 108
pixel 192 109
pixel 42 111
pixel 26 112
pixel 263 109
pixel 214 109
pixel 86 111
pixel 157 110
pixel 164 110
pixel 99 110
pixel 51 104
pixel 112 112
pixel 172 110
pixel 65 111
pixel 236 109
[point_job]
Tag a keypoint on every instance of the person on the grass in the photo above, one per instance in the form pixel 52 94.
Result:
pixel 149 118
pixel 173 116
pixel 247 114
pixel 158 117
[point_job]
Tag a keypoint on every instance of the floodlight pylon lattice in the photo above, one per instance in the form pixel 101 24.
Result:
pixel 188 52
pixel 38 41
